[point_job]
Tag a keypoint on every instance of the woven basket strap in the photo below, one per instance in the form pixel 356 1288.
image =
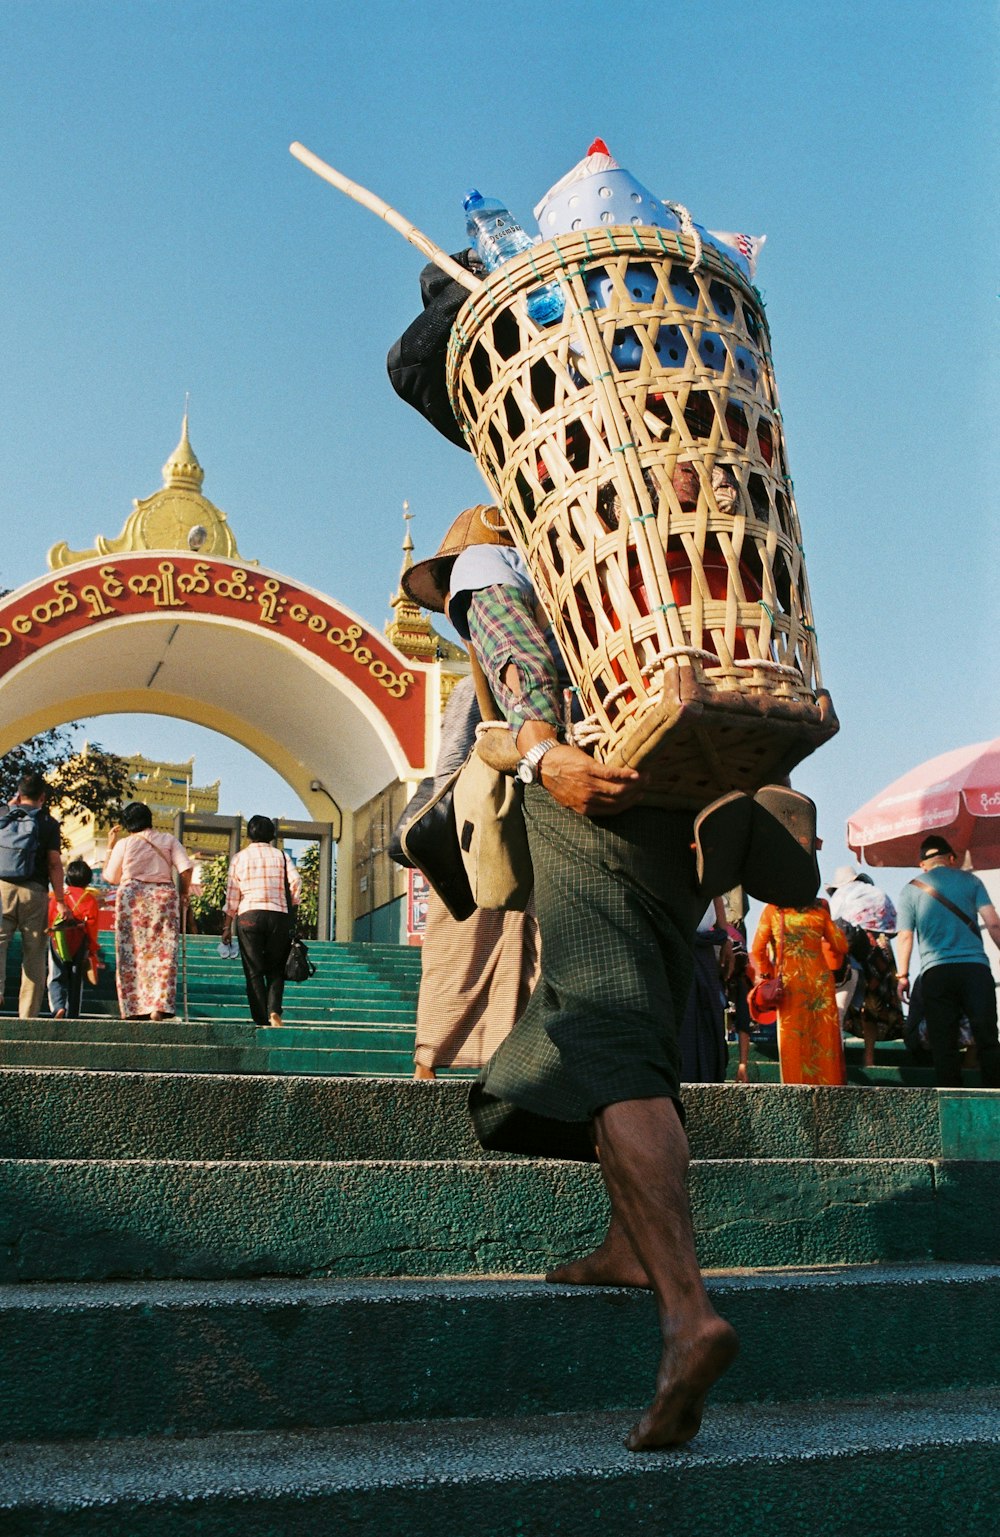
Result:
pixel 484 694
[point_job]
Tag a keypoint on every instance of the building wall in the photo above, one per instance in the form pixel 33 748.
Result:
pixel 377 881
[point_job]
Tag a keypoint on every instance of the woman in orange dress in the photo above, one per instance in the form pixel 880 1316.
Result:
pixel 800 943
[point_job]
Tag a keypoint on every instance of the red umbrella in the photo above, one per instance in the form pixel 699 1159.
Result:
pixel 957 795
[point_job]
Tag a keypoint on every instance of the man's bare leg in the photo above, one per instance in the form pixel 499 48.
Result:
pixel 868 1035
pixel 613 1263
pixel 644 1161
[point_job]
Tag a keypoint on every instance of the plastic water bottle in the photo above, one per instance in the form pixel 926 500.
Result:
pixel 497 236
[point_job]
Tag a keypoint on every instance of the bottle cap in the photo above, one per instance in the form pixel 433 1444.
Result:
pixel 472 198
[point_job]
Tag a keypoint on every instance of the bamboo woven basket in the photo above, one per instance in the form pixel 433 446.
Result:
pixel 636 448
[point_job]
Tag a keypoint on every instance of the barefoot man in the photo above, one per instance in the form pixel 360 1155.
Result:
pixel 592 1069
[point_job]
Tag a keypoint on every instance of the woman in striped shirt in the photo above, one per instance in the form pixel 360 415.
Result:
pixel 263 887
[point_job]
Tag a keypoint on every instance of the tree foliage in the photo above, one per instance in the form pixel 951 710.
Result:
pixel 308 868
pixel 93 781
pixel 208 903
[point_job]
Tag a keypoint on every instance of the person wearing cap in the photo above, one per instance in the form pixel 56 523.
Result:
pixel 594 1061
pixel 940 912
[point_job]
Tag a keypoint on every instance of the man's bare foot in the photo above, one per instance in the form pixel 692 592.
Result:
pixel 424 1074
pixel 688 1368
pixel 276 1021
pixel 613 1263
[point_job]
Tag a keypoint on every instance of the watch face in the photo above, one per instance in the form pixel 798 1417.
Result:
pixel 526 772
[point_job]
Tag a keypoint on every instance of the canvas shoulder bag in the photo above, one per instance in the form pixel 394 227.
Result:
pixel 489 813
pixel 468 838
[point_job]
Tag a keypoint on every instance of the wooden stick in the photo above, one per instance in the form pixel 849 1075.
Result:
pixel 379 206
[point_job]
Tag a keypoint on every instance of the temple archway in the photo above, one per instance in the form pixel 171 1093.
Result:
pixel 341 714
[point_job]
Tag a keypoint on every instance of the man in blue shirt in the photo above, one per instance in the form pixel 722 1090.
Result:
pixel 940 910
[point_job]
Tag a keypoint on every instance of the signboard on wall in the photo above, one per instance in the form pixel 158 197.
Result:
pixel 417 892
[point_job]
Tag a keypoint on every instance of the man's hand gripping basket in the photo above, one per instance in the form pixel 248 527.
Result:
pixel 636 449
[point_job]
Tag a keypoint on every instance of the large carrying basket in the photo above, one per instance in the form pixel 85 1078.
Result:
pixel 636 448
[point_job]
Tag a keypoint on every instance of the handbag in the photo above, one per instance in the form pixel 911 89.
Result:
pixel 298 966
pixel 766 996
pixel 764 999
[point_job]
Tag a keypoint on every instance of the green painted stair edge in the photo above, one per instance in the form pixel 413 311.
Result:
pixel 208 1032
pixel 370 977
pixel 209 1059
pixel 790 1470
pixel 183 1358
pixel 91 1220
pixel 77 1115
pixel 344 1060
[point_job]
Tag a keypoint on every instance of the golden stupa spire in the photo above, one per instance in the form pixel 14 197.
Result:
pixel 182 472
pixel 178 517
pixel 407 539
pixel 410 630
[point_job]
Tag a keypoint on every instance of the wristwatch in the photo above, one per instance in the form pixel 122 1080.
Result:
pixel 527 770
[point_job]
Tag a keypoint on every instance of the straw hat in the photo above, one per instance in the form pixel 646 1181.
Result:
pixel 427 582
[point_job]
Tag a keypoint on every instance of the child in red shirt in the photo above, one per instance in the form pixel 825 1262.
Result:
pixel 73 944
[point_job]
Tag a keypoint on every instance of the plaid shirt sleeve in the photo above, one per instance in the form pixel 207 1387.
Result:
pixel 232 893
pixel 504 630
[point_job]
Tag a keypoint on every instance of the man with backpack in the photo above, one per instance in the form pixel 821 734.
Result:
pixel 29 863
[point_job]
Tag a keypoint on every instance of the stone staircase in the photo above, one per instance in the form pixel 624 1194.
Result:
pixel 356 1016
pixel 270 1304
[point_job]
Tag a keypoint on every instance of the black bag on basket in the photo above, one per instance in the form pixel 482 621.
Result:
pixel 430 843
pixel 419 799
pixel 298 966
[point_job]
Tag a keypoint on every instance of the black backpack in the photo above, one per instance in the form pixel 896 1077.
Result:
pixel 19 832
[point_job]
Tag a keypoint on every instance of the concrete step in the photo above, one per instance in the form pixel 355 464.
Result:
pixel 222 1002
pixel 906 1075
pixel 152 1057
pixel 134 1056
pixel 94 1115
pixel 897 1467
pixel 194 1358
pixel 299 1031
pixel 132 1218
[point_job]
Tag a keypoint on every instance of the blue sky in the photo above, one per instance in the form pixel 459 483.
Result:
pixel 158 239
